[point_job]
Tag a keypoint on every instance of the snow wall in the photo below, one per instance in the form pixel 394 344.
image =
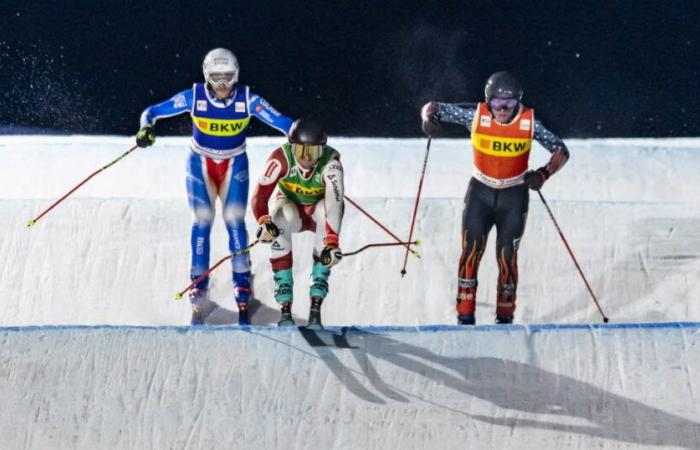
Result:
pixel 117 252
pixel 525 387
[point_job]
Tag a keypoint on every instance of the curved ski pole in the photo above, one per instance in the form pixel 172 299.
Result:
pixel 179 295
pixel 415 207
pixel 566 244
pixel 353 203
pixel 123 155
pixel 383 244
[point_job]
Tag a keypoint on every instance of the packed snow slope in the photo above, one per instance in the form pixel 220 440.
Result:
pixel 117 251
pixel 113 256
pixel 509 387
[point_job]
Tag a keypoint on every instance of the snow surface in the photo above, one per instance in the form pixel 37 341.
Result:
pixel 117 251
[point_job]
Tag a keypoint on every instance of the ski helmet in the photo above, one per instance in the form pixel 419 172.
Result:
pixel 307 131
pixel 503 85
pixel 220 67
pixel 307 138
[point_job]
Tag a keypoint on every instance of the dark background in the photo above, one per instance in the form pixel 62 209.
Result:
pixel 364 67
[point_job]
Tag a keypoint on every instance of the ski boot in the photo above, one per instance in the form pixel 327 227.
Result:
pixel 243 314
pixel 286 315
pixel 466 301
pixel 242 294
pixel 317 292
pixel 505 303
pixel 284 295
pixel 315 314
pixel 466 319
pixel 201 306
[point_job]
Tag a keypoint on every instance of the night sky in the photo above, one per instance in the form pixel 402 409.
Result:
pixel 590 69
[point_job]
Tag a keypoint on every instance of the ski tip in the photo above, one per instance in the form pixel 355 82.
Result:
pixel 31 223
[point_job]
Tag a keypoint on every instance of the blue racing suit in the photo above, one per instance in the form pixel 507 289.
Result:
pixel 217 166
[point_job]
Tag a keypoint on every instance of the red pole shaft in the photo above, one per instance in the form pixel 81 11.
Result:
pixel 571 253
pixel 407 245
pixel 202 276
pixel 179 295
pixel 415 207
pixel 33 221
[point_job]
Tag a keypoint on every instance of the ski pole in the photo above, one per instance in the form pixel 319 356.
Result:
pixel 353 203
pixel 383 244
pixel 415 207
pixel 33 221
pixel 179 295
pixel 566 244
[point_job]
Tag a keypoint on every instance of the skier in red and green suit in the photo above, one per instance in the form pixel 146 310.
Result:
pixel 301 189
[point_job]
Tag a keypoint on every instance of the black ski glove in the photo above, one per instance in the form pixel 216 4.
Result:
pixel 331 253
pixel 534 179
pixel 267 230
pixel 430 123
pixel 145 137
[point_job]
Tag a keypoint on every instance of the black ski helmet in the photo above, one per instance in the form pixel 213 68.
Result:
pixel 503 85
pixel 307 131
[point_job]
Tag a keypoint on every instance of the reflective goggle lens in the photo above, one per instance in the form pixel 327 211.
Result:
pixel 500 104
pixel 307 151
pixel 218 79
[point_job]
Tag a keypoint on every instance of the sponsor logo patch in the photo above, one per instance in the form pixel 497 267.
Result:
pixel 201 105
pixel 302 190
pixel 516 244
pixel 220 127
pixel 485 121
pixel 179 101
pixel 525 124
pixel 241 176
pixel 239 107
pixel 272 171
pixel 501 146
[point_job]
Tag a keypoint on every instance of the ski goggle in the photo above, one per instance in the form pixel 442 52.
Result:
pixel 307 152
pixel 502 104
pixel 221 79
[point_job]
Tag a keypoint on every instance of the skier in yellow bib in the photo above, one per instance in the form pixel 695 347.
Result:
pixel 304 180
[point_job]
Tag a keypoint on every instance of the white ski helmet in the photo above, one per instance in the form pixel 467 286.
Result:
pixel 220 67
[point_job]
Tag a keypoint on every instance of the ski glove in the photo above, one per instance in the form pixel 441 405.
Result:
pixel 331 254
pixel 430 123
pixel 267 230
pixel 145 137
pixel 534 179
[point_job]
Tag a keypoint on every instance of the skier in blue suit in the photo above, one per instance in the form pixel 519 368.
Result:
pixel 217 166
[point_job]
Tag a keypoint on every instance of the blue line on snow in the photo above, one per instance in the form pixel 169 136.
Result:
pixel 358 329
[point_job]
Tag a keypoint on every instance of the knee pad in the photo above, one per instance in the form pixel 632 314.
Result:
pixel 203 216
pixel 234 214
